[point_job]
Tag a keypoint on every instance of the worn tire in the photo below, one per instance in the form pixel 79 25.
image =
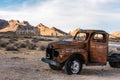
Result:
pixel 115 64
pixel 55 67
pixel 73 65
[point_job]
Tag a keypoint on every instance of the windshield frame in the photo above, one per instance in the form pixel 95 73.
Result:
pixel 87 35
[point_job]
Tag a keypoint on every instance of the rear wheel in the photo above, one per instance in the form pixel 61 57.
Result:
pixel 73 65
pixel 115 60
pixel 55 67
pixel 115 64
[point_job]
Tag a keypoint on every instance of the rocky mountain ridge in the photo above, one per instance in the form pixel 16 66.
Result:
pixel 3 23
pixel 115 34
pixel 46 31
pixel 25 28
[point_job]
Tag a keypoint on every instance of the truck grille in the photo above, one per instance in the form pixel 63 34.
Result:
pixel 51 53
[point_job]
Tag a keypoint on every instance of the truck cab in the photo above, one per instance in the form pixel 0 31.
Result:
pixel 89 47
pixel 96 44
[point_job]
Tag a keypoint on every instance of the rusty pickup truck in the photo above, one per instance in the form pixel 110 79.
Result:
pixel 89 47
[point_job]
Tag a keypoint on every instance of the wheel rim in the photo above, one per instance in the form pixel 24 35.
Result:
pixel 75 67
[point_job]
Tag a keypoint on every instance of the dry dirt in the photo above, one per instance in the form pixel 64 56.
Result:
pixel 26 65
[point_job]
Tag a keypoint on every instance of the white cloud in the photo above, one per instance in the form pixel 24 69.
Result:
pixel 66 14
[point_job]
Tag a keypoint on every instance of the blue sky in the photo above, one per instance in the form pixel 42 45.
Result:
pixel 65 14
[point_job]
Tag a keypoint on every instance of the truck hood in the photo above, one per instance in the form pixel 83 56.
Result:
pixel 67 44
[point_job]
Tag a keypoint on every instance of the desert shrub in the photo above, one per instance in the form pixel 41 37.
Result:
pixel 17 45
pixel 27 41
pixel 17 58
pixel 114 39
pixel 12 40
pixel 45 39
pixel 35 40
pixel 28 37
pixel 31 46
pixel 20 45
pixel 11 47
pixel 27 44
pixel 118 48
pixel 23 45
pixel 3 44
pixel 41 39
pixel 42 47
pixel 49 40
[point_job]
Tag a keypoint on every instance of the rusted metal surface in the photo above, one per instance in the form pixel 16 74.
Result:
pixel 90 50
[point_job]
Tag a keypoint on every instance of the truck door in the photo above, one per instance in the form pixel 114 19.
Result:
pixel 98 48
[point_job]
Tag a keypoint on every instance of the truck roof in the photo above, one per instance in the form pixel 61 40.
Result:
pixel 91 31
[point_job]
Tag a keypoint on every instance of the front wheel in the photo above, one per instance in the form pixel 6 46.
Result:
pixel 73 65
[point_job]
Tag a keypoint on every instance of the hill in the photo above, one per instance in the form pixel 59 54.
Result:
pixel 72 33
pixel 46 31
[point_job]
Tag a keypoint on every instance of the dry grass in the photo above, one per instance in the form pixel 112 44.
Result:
pixel 14 44
pixel 26 65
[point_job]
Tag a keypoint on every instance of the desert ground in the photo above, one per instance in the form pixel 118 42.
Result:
pixel 24 63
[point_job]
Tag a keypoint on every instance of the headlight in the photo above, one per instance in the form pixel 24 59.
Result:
pixel 51 52
pixel 56 53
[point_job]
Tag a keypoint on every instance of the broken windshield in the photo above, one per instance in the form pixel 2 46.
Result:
pixel 81 36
